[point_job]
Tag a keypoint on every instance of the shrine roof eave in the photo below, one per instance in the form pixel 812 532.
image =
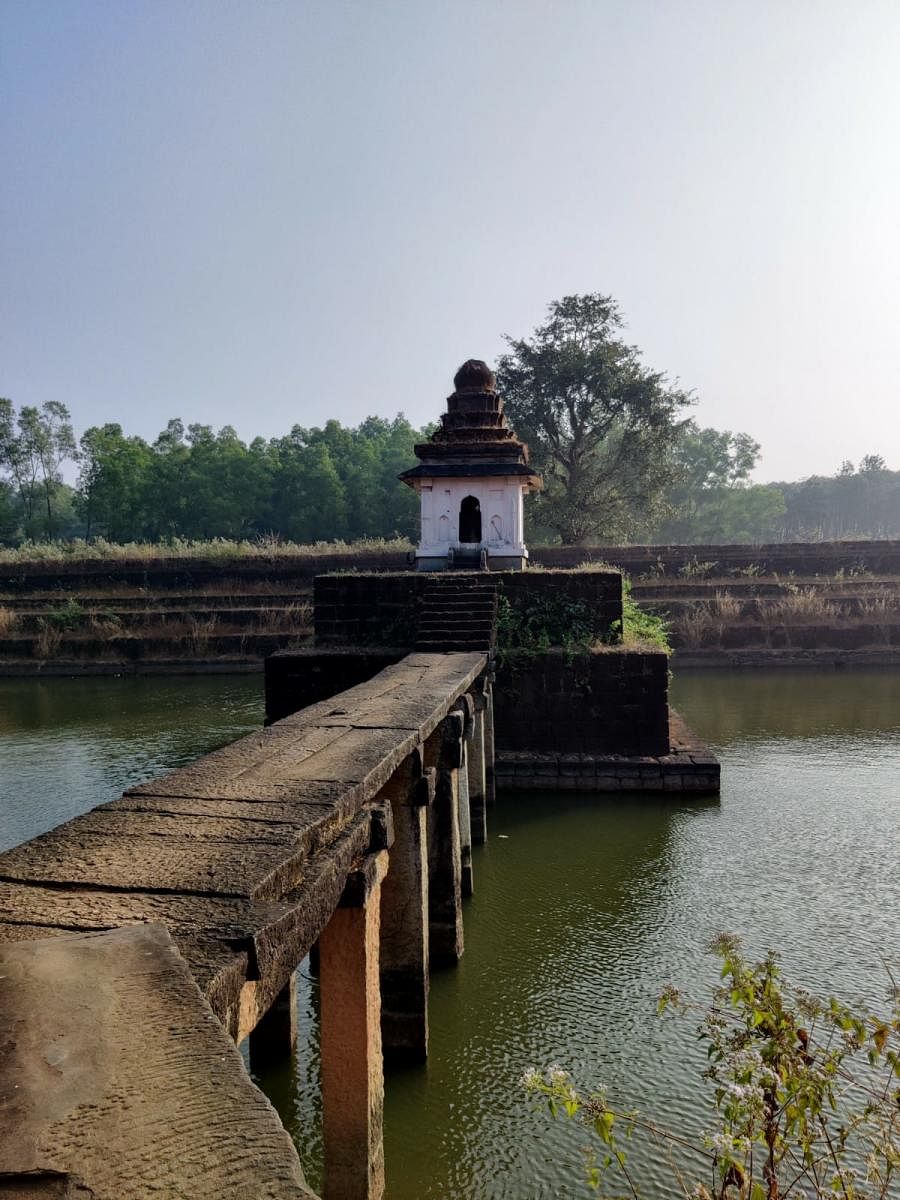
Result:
pixel 472 470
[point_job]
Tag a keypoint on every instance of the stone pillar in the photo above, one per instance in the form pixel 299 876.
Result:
pixel 443 751
pixel 490 789
pixel 477 782
pixel 274 1038
pixel 404 916
pixel 352 1069
pixel 467 711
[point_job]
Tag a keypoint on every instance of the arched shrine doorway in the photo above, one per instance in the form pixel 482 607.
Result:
pixel 470 520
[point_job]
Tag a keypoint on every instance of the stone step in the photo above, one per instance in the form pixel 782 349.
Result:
pixel 485 611
pixel 457 627
pixel 456 586
pixel 458 602
pixel 459 612
pixel 457 615
pixel 453 622
pixel 444 647
pixel 462 598
pixel 437 634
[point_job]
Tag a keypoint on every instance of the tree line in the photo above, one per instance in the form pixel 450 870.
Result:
pixel 193 482
pixel 621 457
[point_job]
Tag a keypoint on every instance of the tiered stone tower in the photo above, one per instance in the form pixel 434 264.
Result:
pixel 472 479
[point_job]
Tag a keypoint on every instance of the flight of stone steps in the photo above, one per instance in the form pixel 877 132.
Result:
pixel 459 612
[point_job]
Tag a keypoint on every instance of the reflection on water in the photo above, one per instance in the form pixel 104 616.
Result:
pixel 68 744
pixel 583 910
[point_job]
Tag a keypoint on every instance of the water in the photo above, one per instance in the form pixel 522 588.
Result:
pixel 584 909
pixel 69 744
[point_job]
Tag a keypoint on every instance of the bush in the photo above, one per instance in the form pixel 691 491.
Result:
pixel 805 1092
pixel 640 627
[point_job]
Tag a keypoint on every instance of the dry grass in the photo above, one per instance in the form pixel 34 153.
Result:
pixel 727 607
pixel 880 606
pixel 48 641
pixel 697 627
pixel 703 623
pixel 8 621
pixel 800 606
pixel 216 550
pixel 591 564
pixel 200 630
pixel 292 618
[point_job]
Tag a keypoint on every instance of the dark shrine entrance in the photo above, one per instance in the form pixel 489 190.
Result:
pixel 470 520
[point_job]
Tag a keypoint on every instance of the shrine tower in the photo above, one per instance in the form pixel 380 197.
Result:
pixel 472 479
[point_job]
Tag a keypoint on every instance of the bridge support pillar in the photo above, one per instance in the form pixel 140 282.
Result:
pixel 443 751
pixel 274 1038
pixel 490 789
pixel 465 808
pixel 404 916
pixel 352 1068
pixel 477 782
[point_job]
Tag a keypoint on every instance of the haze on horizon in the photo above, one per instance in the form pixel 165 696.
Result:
pixel 267 215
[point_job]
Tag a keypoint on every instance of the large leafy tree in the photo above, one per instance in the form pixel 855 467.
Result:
pixel 710 499
pixel 112 482
pixel 33 448
pixel 600 424
pixel 310 500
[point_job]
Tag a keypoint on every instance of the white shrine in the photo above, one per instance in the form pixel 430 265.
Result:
pixel 472 479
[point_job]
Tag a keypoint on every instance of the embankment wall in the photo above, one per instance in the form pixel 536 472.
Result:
pixel 801 558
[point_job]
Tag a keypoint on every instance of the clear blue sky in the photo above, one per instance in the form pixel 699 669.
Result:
pixel 266 213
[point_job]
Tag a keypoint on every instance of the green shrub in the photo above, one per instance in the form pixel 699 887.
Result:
pixel 640 627
pixel 548 621
pixel 804 1091
pixel 68 616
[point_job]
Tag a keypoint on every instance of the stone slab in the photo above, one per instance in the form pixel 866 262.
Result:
pixel 264 811
pixel 331 742
pixel 119 1078
pixel 147 863
pixel 226 940
pixel 303 826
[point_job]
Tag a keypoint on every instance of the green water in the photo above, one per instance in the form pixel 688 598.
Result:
pixel 68 744
pixel 584 908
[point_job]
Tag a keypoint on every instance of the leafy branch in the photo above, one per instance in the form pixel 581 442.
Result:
pixel 805 1090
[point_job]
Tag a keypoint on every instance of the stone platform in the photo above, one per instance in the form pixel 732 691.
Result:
pixel 689 766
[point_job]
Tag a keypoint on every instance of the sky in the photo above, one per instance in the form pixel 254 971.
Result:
pixel 266 213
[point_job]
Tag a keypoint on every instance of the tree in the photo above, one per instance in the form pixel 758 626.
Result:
pixel 853 503
pixel 48 441
pixel 601 426
pixel 32 450
pixel 872 462
pixel 310 502
pixel 711 499
pixel 713 458
pixel 9 516
pixel 112 482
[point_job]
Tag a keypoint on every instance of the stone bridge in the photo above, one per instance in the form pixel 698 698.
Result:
pixel 141 941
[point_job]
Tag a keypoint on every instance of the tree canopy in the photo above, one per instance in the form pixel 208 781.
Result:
pixel 600 424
